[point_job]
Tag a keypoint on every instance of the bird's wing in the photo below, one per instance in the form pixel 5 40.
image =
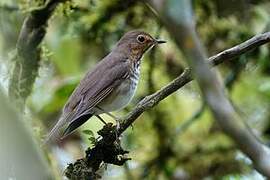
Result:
pixel 93 88
pixel 96 86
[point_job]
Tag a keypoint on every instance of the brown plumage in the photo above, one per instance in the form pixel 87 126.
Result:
pixel 109 86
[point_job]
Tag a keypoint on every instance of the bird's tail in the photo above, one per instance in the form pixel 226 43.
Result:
pixel 55 133
pixel 75 124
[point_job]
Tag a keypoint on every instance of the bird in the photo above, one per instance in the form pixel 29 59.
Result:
pixel 108 87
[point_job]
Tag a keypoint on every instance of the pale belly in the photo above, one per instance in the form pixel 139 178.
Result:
pixel 119 98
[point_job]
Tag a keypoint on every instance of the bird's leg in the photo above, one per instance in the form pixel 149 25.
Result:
pixel 117 120
pixel 101 119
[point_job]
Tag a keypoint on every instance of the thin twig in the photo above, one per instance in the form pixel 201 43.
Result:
pixel 185 125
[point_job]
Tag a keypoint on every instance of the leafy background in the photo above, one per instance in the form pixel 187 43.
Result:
pixel 169 141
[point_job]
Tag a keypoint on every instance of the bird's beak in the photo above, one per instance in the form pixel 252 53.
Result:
pixel 158 41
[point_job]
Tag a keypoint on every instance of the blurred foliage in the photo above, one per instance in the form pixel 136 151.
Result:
pixel 81 32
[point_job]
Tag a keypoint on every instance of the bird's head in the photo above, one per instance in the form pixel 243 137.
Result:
pixel 135 43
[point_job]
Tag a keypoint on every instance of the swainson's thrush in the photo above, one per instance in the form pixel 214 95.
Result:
pixel 109 86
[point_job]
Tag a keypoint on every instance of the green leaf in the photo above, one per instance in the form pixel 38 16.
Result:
pixel 92 140
pixel 88 132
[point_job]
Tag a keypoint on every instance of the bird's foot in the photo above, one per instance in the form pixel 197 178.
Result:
pixel 117 123
pixel 116 119
pixel 117 126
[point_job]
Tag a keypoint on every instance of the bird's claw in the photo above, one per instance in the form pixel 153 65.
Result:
pixel 117 123
pixel 117 126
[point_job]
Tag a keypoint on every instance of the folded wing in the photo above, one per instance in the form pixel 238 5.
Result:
pixel 93 88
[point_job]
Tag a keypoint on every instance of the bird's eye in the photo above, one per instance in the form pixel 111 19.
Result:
pixel 140 38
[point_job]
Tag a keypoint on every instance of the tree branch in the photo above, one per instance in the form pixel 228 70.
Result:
pixel 28 52
pixel 240 49
pixel 228 81
pixel 181 26
pixel 152 100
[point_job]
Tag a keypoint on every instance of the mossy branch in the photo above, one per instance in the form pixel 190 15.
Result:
pixel 28 52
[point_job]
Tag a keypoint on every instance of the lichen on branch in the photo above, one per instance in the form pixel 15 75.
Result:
pixel 28 52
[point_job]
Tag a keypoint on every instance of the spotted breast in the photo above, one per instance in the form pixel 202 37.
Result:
pixel 124 93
